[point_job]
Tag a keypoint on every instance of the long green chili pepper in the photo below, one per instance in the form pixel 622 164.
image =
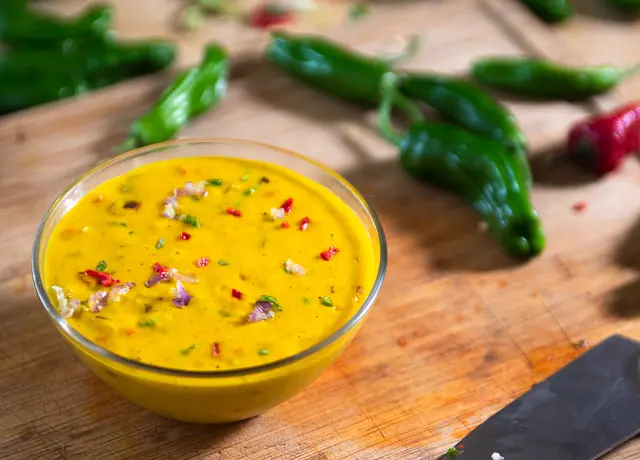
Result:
pixel 551 11
pixel 20 26
pixel 112 62
pixel 547 80
pixel 193 92
pixel 470 106
pixel 34 76
pixel 332 68
pixel 626 6
pixel 477 168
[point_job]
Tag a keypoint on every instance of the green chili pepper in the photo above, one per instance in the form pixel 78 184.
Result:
pixel 626 6
pixel 20 26
pixel 547 80
pixel 551 11
pixel 332 68
pixel 32 76
pixel 328 66
pixel 470 106
pixel 193 92
pixel 477 168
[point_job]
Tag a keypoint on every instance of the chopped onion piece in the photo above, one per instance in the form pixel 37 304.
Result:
pixel 184 278
pixel 291 267
pixel 191 189
pixel 117 291
pixel 277 213
pixel 74 304
pixel 98 301
pixel 172 200
pixel 182 297
pixel 67 308
pixel 262 311
pixel 159 278
pixel 169 211
pixel 295 5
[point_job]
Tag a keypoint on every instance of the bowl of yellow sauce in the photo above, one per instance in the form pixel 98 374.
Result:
pixel 209 280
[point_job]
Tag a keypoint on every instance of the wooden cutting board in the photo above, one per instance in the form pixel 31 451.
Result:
pixel 459 329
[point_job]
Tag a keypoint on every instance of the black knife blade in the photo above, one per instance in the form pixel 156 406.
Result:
pixel 583 411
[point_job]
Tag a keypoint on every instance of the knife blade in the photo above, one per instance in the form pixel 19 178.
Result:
pixel 583 411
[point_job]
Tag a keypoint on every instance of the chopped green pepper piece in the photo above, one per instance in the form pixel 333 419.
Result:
pixel 102 266
pixel 149 322
pixel 263 352
pixel 191 18
pixel 211 6
pixel 358 11
pixel 187 350
pixel 223 263
pixel 224 313
pixel 215 182
pixel 326 301
pixel 191 220
pixel 453 452
pixel 160 243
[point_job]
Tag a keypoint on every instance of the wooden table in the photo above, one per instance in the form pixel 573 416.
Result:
pixel 459 330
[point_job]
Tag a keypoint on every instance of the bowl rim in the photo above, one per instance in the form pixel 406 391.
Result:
pixel 85 343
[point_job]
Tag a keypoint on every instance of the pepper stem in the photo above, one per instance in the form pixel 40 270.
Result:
pixel 406 55
pixel 390 97
pixel 631 70
pixel 127 145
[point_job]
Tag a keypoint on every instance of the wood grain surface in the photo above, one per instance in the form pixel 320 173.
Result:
pixel 459 329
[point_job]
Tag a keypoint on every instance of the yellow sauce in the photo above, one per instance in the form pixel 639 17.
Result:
pixel 246 253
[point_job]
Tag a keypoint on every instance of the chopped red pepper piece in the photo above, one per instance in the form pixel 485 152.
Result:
pixel 600 144
pixel 264 17
pixel 304 223
pixel 329 253
pixel 580 206
pixel 159 268
pixel 234 212
pixel 285 225
pixel 287 205
pixel 184 236
pixel 103 278
pixel 202 262
pixel 215 349
pixel 236 294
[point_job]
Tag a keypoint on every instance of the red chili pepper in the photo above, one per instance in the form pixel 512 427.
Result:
pixel 159 268
pixel 103 278
pixel 285 224
pixel 234 212
pixel 202 262
pixel 287 205
pixel 600 144
pixel 329 253
pixel 236 294
pixel 184 236
pixel 265 16
pixel 215 349
pixel 304 223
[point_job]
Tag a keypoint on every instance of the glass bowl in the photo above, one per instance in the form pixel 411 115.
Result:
pixel 209 396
